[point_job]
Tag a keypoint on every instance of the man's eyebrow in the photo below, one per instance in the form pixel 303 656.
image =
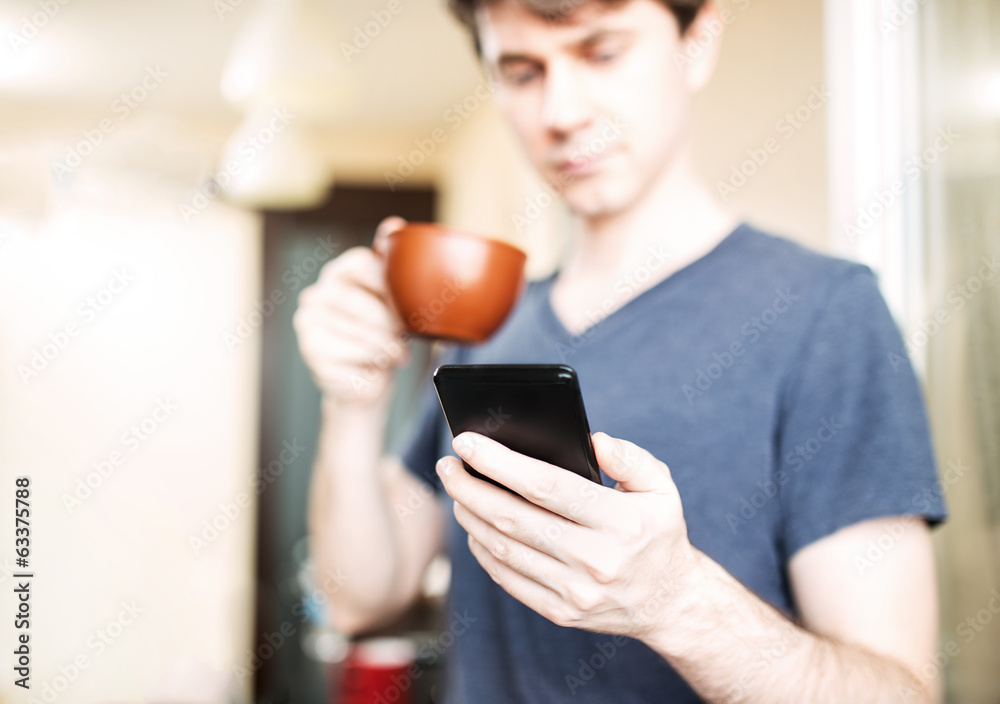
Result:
pixel 512 58
pixel 601 34
pixel 594 37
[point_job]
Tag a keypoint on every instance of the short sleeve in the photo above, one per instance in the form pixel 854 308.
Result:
pixel 853 436
pixel 418 444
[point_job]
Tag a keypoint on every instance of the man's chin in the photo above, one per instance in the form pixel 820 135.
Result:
pixel 591 203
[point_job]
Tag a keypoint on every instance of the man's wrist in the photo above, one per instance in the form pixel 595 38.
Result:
pixel 332 406
pixel 694 593
pixel 352 423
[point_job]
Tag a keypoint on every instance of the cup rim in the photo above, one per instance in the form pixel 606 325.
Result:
pixel 449 231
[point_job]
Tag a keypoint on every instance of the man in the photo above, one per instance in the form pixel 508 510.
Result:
pixel 754 368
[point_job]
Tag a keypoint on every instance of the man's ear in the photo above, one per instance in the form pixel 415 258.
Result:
pixel 700 46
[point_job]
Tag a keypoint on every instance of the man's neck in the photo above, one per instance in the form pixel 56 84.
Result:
pixel 677 217
pixel 616 257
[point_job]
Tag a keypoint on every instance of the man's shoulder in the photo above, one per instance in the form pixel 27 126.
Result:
pixel 767 259
pixel 782 253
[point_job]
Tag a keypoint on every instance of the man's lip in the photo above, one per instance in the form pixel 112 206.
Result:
pixel 580 166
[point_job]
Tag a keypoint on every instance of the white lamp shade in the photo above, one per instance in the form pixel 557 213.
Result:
pixel 270 163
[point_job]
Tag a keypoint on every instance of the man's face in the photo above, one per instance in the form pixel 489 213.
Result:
pixel 597 100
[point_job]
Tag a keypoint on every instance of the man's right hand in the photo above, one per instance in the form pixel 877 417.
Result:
pixel 349 334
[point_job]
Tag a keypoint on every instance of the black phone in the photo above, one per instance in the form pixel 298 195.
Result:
pixel 533 409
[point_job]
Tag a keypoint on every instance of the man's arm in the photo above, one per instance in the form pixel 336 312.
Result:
pixel 870 628
pixel 370 554
pixel 620 562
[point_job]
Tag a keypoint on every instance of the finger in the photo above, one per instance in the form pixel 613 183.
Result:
pixel 354 347
pixel 377 337
pixel 347 299
pixel 332 335
pixel 466 489
pixel 554 488
pixel 634 468
pixel 384 229
pixel 523 559
pixel 359 266
pixel 529 592
pixel 370 271
pixel 513 517
pixel 359 305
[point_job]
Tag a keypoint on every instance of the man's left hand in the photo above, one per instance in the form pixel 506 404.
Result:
pixel 580 554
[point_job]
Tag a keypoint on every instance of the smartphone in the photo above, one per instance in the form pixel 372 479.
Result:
pixel 534 409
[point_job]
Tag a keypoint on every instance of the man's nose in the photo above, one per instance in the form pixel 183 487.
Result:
pixel 566 105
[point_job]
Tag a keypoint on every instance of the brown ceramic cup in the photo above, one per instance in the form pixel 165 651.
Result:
pixel 450 284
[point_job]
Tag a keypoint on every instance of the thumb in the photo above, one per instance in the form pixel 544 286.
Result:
pixel 632 467
pixel 384 229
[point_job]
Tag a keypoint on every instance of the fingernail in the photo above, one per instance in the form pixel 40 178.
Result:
pixel 465 444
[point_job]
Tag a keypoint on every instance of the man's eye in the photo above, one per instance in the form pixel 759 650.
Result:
pixel 605 54
pixel 602 57
pixel 520 75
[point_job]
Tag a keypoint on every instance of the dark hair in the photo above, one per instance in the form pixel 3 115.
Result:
pixel 555 10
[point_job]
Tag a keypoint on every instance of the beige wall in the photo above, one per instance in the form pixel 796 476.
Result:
pixel 770 64
pixel 114 509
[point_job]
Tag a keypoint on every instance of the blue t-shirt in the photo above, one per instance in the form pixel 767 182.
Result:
pixel 765 376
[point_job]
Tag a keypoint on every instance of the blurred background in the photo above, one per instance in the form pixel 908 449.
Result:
pixel 172 174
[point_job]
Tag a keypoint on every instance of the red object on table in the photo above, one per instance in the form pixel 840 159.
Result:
pixel 379 671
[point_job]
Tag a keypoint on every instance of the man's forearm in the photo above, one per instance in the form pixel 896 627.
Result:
pixel 348 514
pixel 732 647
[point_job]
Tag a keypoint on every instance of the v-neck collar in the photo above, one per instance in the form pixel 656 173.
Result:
pixel 552 321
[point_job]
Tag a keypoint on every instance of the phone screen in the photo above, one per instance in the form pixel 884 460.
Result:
pixel 534 409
